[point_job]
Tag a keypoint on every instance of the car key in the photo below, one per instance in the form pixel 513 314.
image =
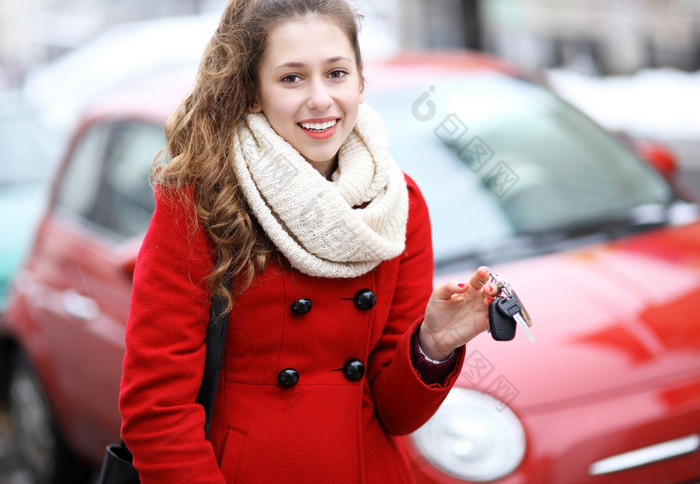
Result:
pixel 501 321
pixel 505 311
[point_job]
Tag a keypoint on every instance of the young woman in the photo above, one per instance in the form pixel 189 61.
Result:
pixel 280 177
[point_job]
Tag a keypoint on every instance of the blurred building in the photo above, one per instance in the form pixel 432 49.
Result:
pixel 595 36
pixel 591 36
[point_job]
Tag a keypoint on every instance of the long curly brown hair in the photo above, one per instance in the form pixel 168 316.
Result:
pixel 200 132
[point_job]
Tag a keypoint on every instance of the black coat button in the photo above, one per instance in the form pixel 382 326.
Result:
pixel 365 299
pixel 353 369
pixel 301 306
pixel 288 377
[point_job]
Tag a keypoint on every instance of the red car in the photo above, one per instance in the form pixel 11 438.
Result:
pixel 599 245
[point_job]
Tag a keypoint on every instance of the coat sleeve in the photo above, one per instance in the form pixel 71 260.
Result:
pixel 165 349
pixel 402 399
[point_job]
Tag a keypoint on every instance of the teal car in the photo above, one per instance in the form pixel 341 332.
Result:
pixel 30 151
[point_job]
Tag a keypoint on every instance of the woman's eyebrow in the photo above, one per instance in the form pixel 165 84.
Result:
pixel 299 65
pixel 337 58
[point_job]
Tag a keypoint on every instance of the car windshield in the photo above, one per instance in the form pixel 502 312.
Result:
pixel 30 149
pixel 502 161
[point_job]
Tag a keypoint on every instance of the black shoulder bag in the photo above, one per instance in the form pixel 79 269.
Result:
pixel 117 467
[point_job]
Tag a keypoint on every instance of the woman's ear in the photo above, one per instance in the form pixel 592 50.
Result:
pixel 255 108
pixel 362 83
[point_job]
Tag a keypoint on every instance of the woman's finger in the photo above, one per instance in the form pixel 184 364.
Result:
pixel 480 278
pixel 446 290
pixel 491 290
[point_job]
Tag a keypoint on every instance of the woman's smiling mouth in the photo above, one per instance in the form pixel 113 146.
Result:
pixel 321 130
pixel 319 126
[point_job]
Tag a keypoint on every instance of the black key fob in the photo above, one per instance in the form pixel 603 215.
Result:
pixel 501 323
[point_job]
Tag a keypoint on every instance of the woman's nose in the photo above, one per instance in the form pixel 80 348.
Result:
pixel 319 97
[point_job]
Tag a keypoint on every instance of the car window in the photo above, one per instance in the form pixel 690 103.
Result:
pixel 106 182
pixel 125 201
pixel 500 159
pixel 79 186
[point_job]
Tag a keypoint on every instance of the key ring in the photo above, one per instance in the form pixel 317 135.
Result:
pixel 502 284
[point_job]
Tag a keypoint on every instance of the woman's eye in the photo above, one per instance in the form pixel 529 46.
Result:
pixel 337 74
pixel 291 78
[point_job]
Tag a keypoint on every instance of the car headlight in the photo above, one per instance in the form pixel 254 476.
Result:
pixel 473 436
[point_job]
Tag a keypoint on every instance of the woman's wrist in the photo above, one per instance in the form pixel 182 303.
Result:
pixel 429 348
pixel 430 360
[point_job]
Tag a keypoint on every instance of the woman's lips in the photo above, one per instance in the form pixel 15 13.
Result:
pixel 320 129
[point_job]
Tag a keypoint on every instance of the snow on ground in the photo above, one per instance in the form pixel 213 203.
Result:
pixel 659 104
pixel 655 103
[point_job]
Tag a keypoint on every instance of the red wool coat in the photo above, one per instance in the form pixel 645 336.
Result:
pixel 356 384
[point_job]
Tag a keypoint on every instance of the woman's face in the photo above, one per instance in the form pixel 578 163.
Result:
pixel 310 88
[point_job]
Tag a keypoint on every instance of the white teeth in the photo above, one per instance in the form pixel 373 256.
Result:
pixel 318 126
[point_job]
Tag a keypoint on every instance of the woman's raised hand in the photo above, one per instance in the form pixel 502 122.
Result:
pixel 455 314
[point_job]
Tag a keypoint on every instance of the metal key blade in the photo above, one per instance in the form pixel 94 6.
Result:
pixel 523 311
pixel 523 323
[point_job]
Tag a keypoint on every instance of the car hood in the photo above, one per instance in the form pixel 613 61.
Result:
pixel 613 317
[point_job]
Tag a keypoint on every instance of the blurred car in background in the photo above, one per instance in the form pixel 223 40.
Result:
pixel 598 244
pixel 29 154
pixel 118 56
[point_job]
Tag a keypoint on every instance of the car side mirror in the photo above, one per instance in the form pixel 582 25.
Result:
pixel 659 156
pixel 128 266
pixel 127 254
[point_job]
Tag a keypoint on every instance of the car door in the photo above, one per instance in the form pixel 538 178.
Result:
pixel 102 208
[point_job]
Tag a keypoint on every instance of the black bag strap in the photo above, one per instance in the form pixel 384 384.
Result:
pixel 117 466
pixel 216 341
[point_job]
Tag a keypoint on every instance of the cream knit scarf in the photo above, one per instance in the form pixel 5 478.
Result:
pixel 318 224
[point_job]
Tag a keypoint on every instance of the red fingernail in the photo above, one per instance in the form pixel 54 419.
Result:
pixel 490 300
pixel 460 285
